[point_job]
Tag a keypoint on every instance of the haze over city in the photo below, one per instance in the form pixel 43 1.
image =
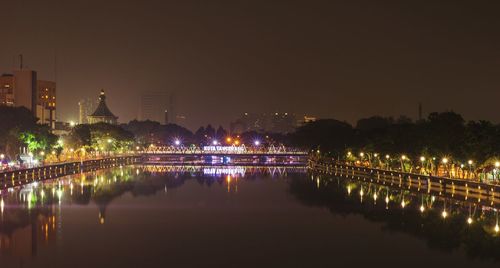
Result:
pixel 239 133
pixel 328 59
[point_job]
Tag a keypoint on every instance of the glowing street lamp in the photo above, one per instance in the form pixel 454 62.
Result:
pixel 444 160
pixel 444 214
pixel 215 142
pixel 256 143
pixel 229 139
pixel 177 142
pixel 2 156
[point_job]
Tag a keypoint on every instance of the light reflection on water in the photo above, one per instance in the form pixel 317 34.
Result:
pixel 39 221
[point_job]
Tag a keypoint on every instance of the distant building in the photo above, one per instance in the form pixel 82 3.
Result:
pixel 46 102
pixel 153 106
pixel 274 122
pixel 24 89
pixel 306 119
pixel 85 108
pixel 7 90
pixel 102 114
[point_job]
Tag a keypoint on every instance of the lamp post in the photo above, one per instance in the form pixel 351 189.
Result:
pixel 445 162
pixel 403 158
pixel 470 162
pixel 495 174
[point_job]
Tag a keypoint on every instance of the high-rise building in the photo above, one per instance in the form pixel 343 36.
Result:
pixel 7 90
pixel 46 102
pixel 24 89
pixel 154 106
pixel 85 108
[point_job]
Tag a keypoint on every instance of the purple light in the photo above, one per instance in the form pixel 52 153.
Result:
pixel 214 142
pixel 177 142
pixel 257 143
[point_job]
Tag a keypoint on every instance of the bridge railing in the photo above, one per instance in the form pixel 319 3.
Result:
pixel 222 150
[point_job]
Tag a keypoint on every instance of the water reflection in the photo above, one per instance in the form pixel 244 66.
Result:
pixel 30 215
pixel 445 223
pixel 32 219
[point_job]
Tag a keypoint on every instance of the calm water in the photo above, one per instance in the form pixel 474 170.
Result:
pixel 217 217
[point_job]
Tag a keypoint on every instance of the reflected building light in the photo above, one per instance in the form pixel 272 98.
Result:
pixel 375 196
pixel 101 218
pixel 227 171
pixel 59 195
pixel 317 182
pixel 2 205
pixel 403 204
pixel 349 189
pixel 422 208
pixel 469 220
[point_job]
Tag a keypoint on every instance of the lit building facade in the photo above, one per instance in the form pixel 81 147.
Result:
pixel 24 89
pixel 7 90
pixel 46 102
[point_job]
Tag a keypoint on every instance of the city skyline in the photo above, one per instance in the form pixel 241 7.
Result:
pixel 330 60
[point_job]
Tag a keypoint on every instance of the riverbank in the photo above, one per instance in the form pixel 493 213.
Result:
pixel 18 177
pixel 483 192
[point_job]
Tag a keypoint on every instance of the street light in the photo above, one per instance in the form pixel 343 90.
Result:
pixel 256 143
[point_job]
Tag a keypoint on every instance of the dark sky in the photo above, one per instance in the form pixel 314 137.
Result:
pixel 339 59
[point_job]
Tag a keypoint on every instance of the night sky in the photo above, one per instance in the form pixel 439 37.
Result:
pixel 330 59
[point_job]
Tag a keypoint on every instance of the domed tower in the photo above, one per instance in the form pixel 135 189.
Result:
pixel 102 114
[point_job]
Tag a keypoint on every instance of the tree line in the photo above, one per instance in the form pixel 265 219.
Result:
pixel 445 134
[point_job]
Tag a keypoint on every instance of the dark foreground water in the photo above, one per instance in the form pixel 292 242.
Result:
pixel 237 217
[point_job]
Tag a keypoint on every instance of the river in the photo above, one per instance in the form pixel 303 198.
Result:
pixel 191 216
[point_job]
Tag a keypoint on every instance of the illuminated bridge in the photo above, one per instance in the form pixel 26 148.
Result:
pixel 224 155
